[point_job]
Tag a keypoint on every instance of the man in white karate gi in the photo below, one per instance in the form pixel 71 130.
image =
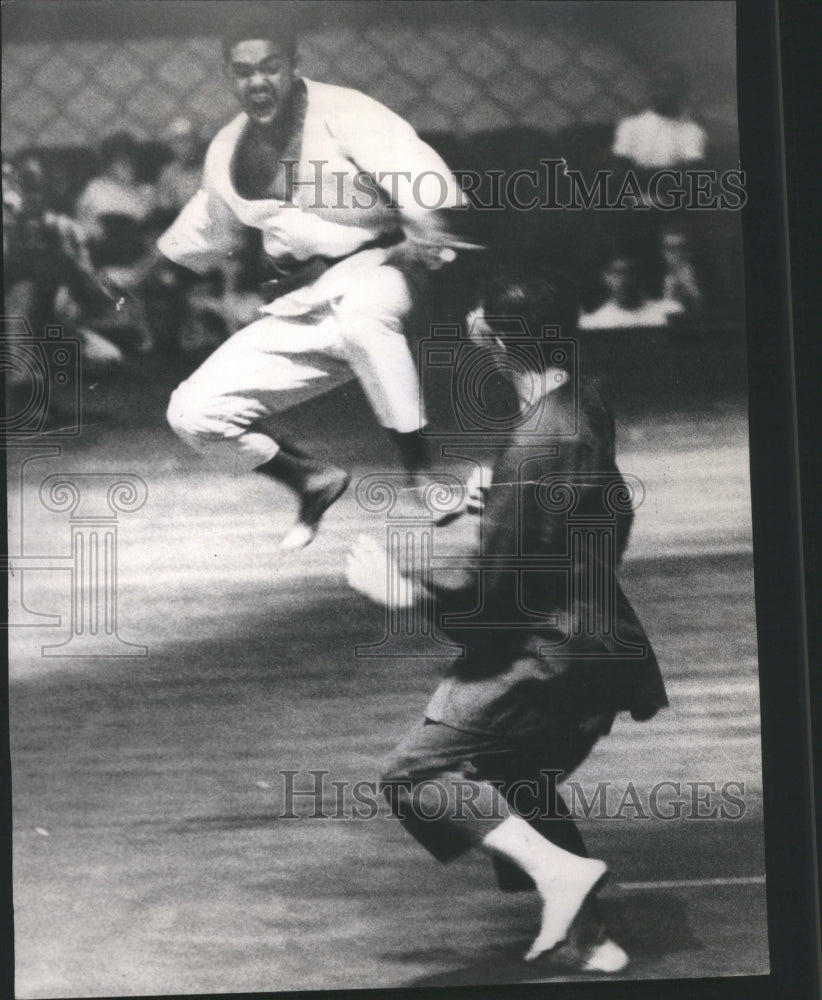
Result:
pixel 351 206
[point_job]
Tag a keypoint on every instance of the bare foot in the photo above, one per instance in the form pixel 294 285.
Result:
pixel 606 957
pixel 321 491
pixel 587 948
pixel 563 898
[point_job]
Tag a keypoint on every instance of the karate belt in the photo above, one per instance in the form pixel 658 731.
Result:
pixel 291 273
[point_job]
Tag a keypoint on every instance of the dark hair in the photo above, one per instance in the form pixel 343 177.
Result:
pixel 119 146
pixel 547 298
pixel 277 24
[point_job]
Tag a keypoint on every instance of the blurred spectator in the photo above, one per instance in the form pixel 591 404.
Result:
pixel 180 178
pixel 115 198
pixel 679 280
pixel 62 189
pixel 48 272
pixel 221 302
pixel 114 210
pixel 628 305
pixel 42 248
pixel 663 135
pixel 168 287
pixel 12 197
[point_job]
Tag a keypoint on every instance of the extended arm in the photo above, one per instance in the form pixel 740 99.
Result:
pixel 203 235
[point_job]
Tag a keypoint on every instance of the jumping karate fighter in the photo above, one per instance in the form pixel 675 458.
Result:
pixel 351 206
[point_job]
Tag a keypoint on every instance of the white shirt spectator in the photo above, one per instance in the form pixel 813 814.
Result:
pixel 108 196
pixel 654 141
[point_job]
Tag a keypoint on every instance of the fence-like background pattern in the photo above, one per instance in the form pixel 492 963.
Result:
pixel 443 77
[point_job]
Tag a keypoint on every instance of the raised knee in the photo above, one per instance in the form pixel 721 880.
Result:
pixel 194 414
pixel 181 410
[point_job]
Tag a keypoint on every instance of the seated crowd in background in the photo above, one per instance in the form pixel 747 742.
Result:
pixel 114 209
pixel 628 303
pixel 646 289
pixel 49 274
pixel 664 136
pixel 83 266
pixel 75 247
pixel 179 179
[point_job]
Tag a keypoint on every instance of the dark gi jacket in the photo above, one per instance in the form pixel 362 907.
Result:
pixel 547 629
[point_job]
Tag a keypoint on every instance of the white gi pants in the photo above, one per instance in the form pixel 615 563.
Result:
pixel 348 324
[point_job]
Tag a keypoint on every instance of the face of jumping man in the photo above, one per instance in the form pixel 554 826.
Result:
pixel 262 77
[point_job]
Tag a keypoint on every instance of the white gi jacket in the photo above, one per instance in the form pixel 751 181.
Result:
pixel 335 208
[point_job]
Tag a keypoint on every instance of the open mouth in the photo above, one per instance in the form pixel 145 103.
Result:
pixel 261 103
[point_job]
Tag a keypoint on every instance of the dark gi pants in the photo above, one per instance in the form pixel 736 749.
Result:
pixel 524 769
